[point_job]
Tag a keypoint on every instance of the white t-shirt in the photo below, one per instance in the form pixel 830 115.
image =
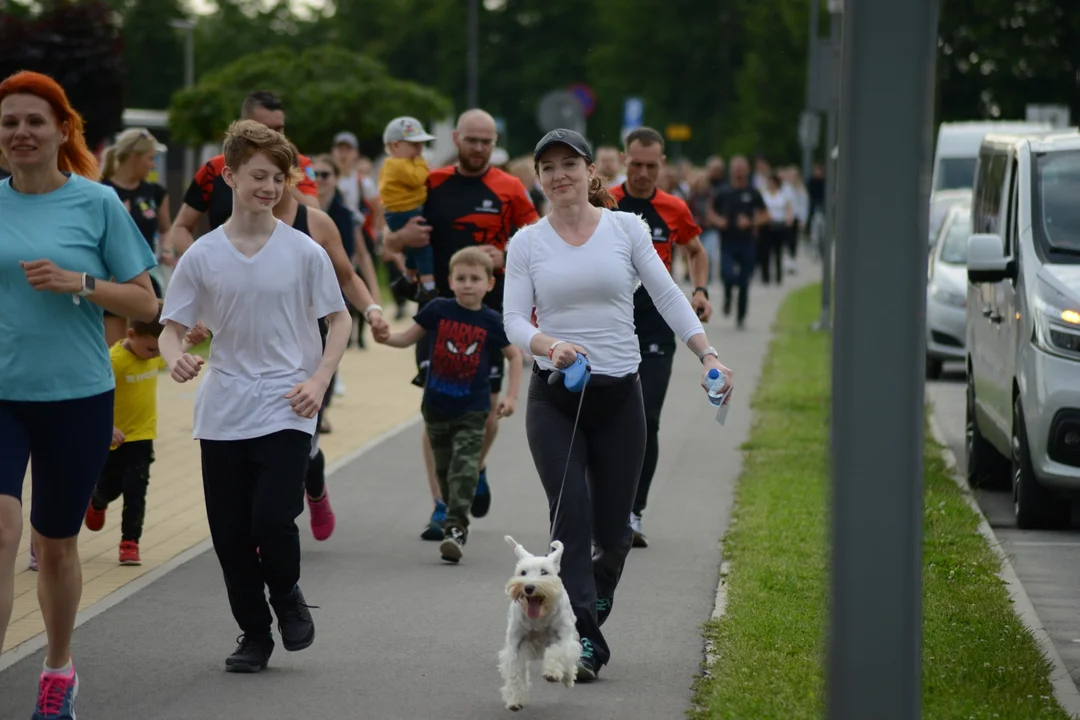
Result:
pixel 585 295
pixel 776 203
pixel 263 312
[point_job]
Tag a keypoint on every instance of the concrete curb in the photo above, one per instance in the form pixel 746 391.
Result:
pixel 1065 690
pixel 31 646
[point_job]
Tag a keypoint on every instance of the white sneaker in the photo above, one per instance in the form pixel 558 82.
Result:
pixel 339 386
pixel 639 539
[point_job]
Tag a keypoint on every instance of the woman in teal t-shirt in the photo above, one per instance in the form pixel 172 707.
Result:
pixel 61 236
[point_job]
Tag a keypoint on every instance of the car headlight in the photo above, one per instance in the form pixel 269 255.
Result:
pixel 948 296
pixel 1057 322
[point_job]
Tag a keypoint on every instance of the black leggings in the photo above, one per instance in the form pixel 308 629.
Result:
pixel 655 372
pixel 609 444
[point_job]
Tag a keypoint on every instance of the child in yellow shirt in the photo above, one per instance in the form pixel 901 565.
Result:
pixel 402 192
pixel 136 363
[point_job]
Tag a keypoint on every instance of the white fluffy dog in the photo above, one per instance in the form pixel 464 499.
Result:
pixel 540 625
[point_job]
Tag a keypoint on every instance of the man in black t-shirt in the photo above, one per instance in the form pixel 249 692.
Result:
pixel 739 212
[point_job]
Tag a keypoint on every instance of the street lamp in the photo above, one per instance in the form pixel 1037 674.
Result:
pixel 189 80
pixel 474 54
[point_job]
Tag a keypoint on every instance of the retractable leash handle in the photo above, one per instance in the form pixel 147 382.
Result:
pixel 574 377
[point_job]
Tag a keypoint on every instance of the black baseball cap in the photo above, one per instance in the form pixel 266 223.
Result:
pixel 569 138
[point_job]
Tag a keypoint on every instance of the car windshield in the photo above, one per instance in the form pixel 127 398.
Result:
pixel 1057 201
pixel 954 244
pixel 956 172
pixel 939 209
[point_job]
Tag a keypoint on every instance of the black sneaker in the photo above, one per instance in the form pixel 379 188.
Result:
pixel 294 620
pixel 450 548
pixel 603 609
pixel 404 288
pixel 727 304
pixel 425 295
pixel 251 655
pixel 587 667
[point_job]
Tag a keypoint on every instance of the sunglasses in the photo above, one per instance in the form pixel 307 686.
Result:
pixel 324 174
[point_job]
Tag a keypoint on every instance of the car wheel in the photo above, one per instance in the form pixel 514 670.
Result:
pixel 933 368
pixel 986 467
pixel 1035 507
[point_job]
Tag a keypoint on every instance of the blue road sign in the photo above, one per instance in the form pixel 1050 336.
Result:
pixel 633 112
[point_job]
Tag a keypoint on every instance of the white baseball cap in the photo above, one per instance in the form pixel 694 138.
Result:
pixel 408 129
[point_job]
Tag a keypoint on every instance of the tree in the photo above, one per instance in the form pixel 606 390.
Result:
pixel 996 56
pixel 324 90
pixel 78 45
pixel 153 52
pixel 678 57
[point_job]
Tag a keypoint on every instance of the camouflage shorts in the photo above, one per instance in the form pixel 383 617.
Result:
pixel 455 445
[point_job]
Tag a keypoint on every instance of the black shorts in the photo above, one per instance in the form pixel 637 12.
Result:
pixel 423 358
pixel 68 443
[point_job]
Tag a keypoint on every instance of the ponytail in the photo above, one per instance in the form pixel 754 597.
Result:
pixel 109 163
pixel 599 195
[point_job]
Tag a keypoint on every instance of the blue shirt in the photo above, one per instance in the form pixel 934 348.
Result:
pixel 458 378
pixel 50 348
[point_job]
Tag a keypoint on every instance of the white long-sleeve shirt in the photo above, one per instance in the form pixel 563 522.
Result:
pixel 584 295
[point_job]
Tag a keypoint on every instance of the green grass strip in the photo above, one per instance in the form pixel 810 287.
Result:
pixel 979 661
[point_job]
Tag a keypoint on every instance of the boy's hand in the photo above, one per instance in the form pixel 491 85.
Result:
pixel 381 333
pixel 306 398
pixel 117 437
pixel 506 407
pixel 186 368
pixel 197 334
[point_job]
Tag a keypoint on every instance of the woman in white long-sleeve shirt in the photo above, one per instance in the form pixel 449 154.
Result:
pixel 578 267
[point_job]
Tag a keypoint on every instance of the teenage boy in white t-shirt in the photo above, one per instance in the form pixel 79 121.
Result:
pixel 260 287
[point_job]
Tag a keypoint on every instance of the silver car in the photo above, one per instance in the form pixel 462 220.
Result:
pixel 946 291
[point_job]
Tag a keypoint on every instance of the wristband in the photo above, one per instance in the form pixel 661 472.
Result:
pixel 551 350
pixel 703 291
pixel 369 308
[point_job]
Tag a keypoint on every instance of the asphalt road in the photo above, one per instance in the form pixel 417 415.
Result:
pixel 400 634
pixel 1046 562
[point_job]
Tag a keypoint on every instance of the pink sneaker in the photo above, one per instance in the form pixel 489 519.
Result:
pixel 56 695
pixel 322 516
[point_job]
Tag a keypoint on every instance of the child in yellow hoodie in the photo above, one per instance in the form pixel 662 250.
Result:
pixel 402 192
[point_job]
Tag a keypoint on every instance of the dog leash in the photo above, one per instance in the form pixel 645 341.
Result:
pixel 574 376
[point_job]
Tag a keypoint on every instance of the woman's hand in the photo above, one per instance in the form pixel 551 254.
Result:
pixel 564 354
pixel 45 275
pixel 712 363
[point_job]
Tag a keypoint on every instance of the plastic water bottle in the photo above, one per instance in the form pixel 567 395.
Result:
pixel 715 382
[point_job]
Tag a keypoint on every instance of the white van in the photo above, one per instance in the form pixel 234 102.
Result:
pixel 1023 323
pixel 958 148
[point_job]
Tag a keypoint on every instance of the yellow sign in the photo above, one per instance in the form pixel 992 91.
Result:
pixel 678 133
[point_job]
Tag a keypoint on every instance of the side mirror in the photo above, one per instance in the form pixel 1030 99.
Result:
pixel 986 261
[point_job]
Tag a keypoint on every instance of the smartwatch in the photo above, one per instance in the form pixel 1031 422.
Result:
pixel 89 284
pixel 708 351
pixel 704 291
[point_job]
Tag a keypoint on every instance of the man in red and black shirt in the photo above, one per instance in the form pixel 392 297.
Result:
pixel 671 224
pixel 469 203
pixel 209 194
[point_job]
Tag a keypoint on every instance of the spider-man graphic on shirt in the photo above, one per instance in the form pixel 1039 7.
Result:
pixel 456 357
pixel 460 361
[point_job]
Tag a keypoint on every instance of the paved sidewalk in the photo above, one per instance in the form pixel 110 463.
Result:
pixel 378 397
pixel 401 634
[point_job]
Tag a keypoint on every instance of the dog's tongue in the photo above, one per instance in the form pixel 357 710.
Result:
pixel 534 608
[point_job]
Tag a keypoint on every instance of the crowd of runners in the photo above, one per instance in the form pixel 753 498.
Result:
pixel 567 251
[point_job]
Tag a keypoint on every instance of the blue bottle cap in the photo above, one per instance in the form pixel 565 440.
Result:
pixel 713 374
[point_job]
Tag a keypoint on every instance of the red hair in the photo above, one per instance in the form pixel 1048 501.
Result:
pixel 74 156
